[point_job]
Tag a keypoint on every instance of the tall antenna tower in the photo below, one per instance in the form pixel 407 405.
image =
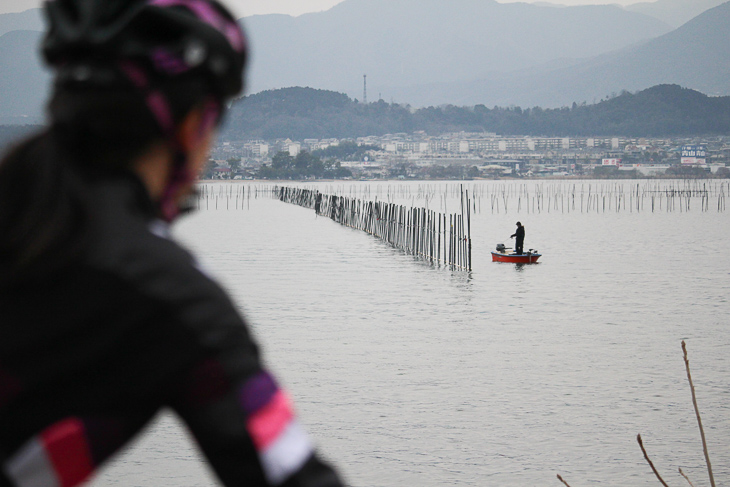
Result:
pixel 365 88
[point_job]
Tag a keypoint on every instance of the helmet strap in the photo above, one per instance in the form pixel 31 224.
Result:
pixel 180 175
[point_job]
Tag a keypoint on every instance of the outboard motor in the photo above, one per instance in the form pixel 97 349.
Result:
pixel 501 248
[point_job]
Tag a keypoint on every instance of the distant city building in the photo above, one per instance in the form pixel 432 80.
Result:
pixel 257 149
pixel 495 155
pixel 294 149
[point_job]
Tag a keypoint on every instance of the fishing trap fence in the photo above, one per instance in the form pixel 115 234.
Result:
pixel 599 196
pixel 552 196
pixel 227 196
pixel 611 196
pixel 504 197
pixel 438 238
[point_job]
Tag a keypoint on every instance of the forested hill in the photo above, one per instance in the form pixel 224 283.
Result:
pixel 304 113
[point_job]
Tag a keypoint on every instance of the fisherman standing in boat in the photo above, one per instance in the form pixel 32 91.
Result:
pixel 520 234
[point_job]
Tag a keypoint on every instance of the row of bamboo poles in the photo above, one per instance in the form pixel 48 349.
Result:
pixel 429 190
pixel 558 197
pixel 228 196
pixel 616 197
pixel 439 238
pixel 563 196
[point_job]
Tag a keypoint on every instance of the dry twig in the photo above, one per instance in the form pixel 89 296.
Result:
pixel 685 477
pixel 651 464
pixel 563 481
pixel 697 411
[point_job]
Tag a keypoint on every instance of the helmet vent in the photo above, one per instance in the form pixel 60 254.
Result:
pixel 195 53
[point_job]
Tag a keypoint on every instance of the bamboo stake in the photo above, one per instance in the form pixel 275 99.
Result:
pixel 685 477
pixel 646 455
pixel 438 252
pixel 563 481
pixel 697 412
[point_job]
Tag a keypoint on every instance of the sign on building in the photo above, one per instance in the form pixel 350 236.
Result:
pixel 612 162
pixel 694 154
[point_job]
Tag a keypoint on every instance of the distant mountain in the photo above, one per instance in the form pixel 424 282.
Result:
pixel 29 20
pixel 302 113
pixel 430 52
pixel 18 5
pixel 697 55
pixel 674 12
pixel 409 42
pixel 23 84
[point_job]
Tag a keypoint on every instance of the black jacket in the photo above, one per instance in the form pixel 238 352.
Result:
pixel 89 355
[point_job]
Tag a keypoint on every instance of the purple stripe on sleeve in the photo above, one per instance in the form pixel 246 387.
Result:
pixel 257 392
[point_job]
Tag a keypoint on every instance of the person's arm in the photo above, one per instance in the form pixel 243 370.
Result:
pixel 240 417
pixel 242 420
pixel 247 429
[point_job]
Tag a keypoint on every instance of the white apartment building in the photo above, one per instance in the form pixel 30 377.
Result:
pixel 257 149
pixel 294 149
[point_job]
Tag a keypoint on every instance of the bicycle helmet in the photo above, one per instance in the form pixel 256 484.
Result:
pixel 100 44
pixel 165 38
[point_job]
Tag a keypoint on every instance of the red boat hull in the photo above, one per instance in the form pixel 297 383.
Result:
pixel 515 258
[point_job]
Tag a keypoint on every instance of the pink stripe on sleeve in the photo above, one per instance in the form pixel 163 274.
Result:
pixel 266 424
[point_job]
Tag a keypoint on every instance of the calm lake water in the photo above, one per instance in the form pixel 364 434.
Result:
pixel 411 375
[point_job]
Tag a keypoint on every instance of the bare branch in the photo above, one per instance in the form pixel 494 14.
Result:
pixel 685 477
pixel 646 455
pixel 697 412
pixel 563 481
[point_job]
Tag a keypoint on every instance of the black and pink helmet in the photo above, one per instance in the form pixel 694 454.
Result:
pixel 149 44
pixel 163 39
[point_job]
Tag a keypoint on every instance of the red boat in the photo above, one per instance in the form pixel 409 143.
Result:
pixel 501 255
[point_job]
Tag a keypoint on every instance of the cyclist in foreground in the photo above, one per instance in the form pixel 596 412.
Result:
pixel 103 319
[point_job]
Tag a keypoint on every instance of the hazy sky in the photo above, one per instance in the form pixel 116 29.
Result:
pixel 292 7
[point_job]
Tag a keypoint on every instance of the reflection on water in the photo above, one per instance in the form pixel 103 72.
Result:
pixel 407 374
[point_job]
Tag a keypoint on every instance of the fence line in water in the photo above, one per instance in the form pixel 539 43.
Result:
pixel 505 197
pixel 228 196
pixel 417 231
pixel 551 196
